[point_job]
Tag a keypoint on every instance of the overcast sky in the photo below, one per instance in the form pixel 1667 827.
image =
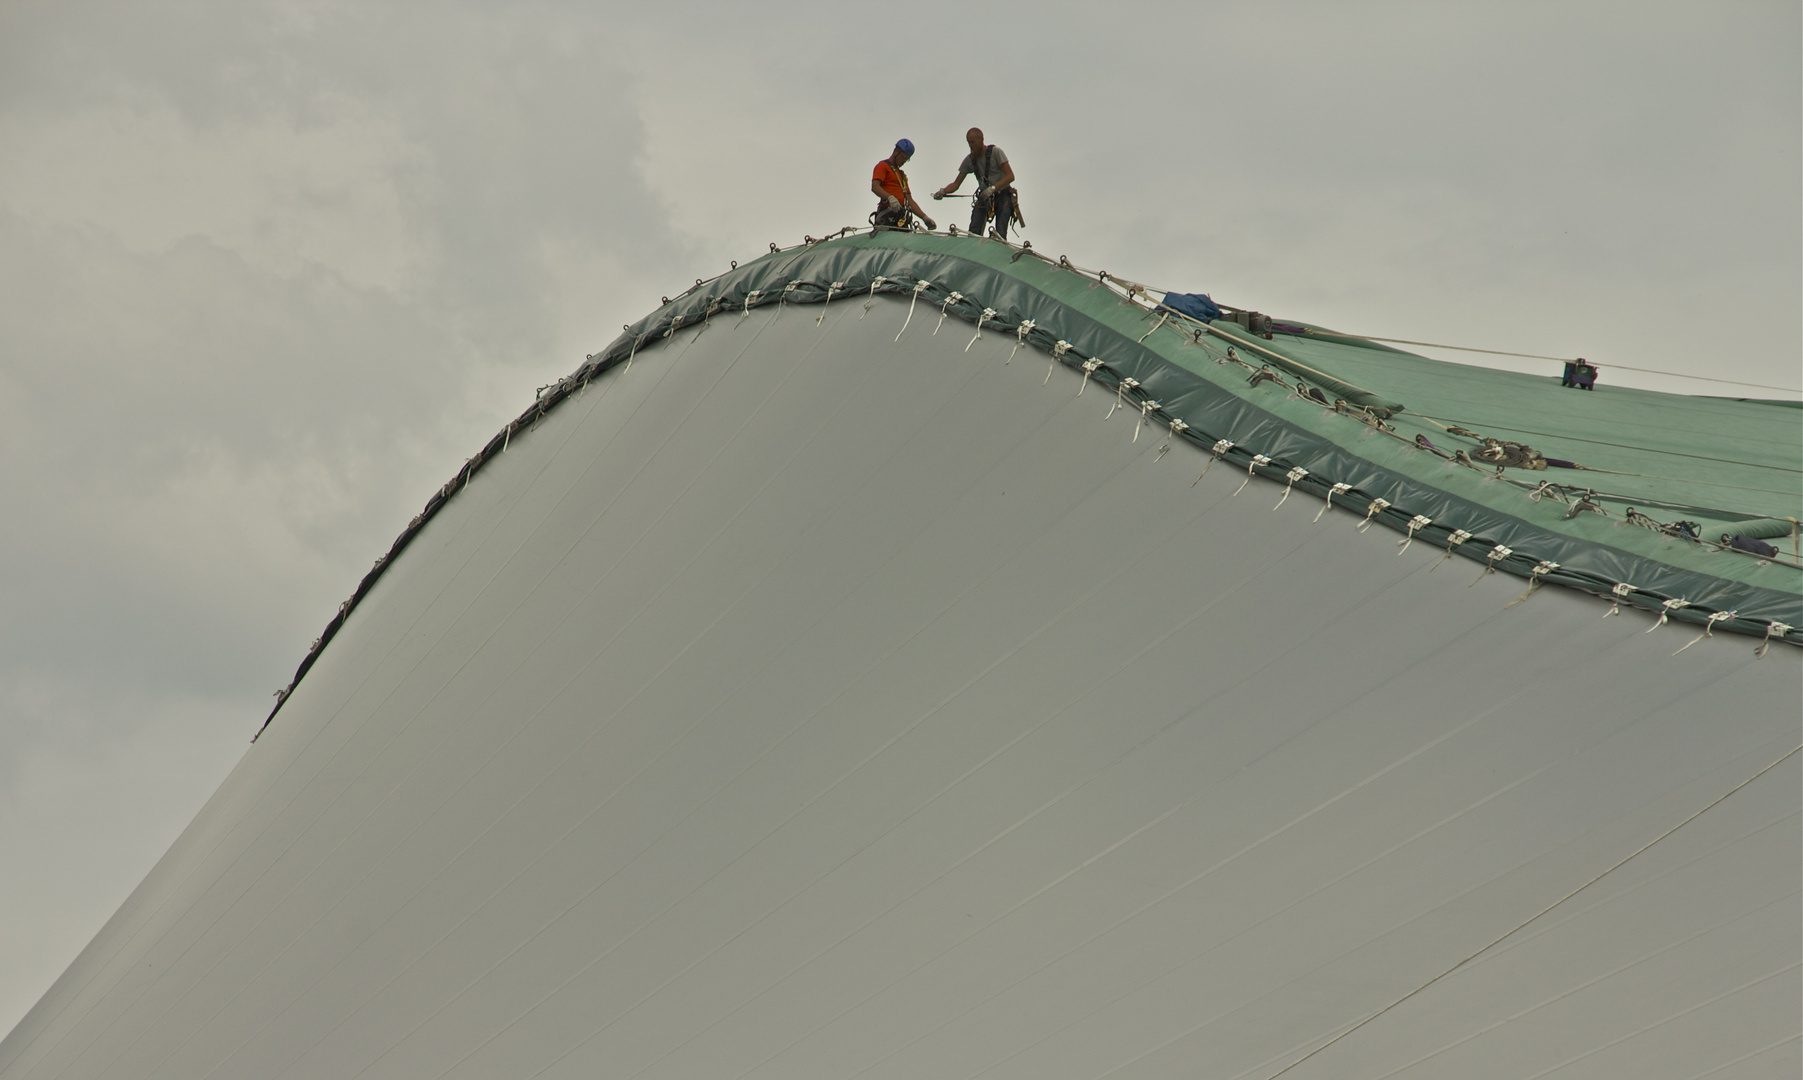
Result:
pixel 270 271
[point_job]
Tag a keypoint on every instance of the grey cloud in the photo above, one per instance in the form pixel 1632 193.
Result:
pixel 272 270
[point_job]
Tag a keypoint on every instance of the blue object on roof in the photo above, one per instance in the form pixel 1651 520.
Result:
pixel 1195 305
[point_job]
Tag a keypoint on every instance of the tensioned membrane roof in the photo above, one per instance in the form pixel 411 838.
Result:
pixel 1648 458
pixel 807 689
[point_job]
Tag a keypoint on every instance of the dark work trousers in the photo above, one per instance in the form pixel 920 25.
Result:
pixel 887 217
pixel 1004 213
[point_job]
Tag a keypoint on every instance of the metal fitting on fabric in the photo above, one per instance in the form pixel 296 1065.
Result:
pixel 1708 629
pixel 1290 479
pixel 1120 390
pixel 1337 489
pixel 988 313
pixel 1020 338
pixel 1090 367
pixel 1377 507
pixel 1416 523
pixel 1665 612
pixel 944 308
pixel 1257 460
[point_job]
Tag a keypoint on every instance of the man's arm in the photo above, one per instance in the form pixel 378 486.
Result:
pixel 921 214
pixel 1007 177
pixel 953 186
pixel 876 188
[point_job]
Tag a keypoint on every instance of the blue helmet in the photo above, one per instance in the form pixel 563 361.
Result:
pixel 906 146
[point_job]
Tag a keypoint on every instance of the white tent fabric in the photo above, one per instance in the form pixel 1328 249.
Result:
pixel 804 703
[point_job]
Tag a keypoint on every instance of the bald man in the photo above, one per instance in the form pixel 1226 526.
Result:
pixel 995 184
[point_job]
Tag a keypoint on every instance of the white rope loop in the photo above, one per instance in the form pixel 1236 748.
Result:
pixel 988 313
pixel 1257 460
pixel 1020 338
pixel 830 290
pixel 1540 570
pixel 1337 489
pixel 675 325
pixel 1219 449
pixel 1178 427
pixel 1290 479
pixel 871 299
pixel 1666 612
pixel 919 287
pixel 1772 629
pixel 1377 507
pixel 1459 536
pixel 751 298
pixel 1495 555
pixel 1090 367
pixel 1058 351
pixel 944 308
pixel 1145 408
pixel 1708 629
pixel 1618 594
pixel 635 351
pixel 784 298
pixel 1120 390
pixel 1416 524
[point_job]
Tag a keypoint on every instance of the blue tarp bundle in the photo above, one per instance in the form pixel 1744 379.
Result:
pixel 1195 305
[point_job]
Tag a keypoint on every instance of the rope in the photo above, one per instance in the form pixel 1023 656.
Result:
pixel 1708 627
pixel 1220 449
pixel 1058 350
pixel 1437 422
pixel 919 287
pixel 1337 489
pixel 1257 460
pixel 949 301
pixel 830 289
pixel 1290 479
pixel 1020 338
pixel 1558 359
pixel 1120 390
pixel 988 313
pixel 1789 754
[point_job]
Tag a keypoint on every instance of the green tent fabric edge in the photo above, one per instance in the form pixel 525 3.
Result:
pixel 983 283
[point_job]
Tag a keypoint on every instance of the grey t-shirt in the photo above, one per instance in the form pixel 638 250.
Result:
pixel 988 168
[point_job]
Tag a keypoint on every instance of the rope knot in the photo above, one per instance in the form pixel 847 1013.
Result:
pixel 1290 479
pixel 1120 390
pixel 1708 628
pixel 1145 409
pixel 1257 460
pixel 1090 367
pixel 943 308
pixel 830 290
pixel 1454 539
pixel 988 313
pixel 1337 489
pixel 1020 338
pixel 1665 612
pixel 1219 449
pixel 1416 524
pixel 871 298
pixel 1376 507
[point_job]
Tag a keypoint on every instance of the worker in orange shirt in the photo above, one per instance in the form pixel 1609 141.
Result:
pixel 890 184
